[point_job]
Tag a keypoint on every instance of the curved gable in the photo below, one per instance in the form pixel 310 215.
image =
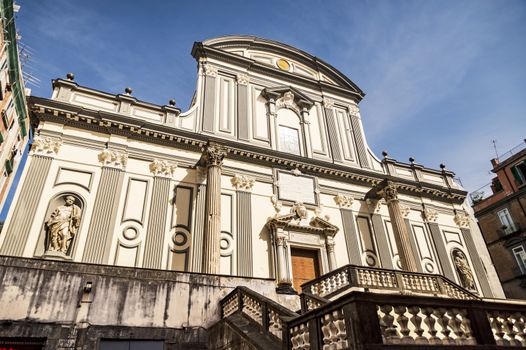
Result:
pixel 278 56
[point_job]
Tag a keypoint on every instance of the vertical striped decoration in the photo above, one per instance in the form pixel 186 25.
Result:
pixel 381 239
pixel 477 263
pixel 244 234
pixel 102 221
pixel 333 134
pixel 26 206
pixel 351 237
pixel 360 144
pixel 160 199
pixel 198 234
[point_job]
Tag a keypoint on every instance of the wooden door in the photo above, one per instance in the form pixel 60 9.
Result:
pixel 305 266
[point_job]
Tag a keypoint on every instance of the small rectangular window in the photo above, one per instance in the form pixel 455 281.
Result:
pixel 520 256
pixel 519 172
pixel 505 219
pixel 289 140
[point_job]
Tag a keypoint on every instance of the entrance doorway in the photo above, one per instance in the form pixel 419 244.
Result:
pixel 305 266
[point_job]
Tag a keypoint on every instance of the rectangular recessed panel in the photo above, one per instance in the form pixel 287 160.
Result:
pixel 297 188
pixel 365 232
pixel 181 211
pixel 422 242
pixel 135 200
pixel 82 178
pixel 259 112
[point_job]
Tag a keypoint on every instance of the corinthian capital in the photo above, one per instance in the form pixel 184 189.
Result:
pixel 210 70
pixel 45 146
pixel 214 154
pixel 163 168
pixel 243 182
pixel 112 158
pixel 389 192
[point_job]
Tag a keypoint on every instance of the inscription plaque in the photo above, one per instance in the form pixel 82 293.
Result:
pixel 297 188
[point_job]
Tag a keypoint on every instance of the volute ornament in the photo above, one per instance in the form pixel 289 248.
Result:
pixel 404 210
pixel 46 146
pixel 113 158
pixel 461 219
pixel 328 103
pixel 243 79
pixel 214 154
pixel 389 192
pixel 354 110
pixel 374 204
pixel 163 168
pixel 243 182
pixel 210 70
pixel 430 215
pixel 343 200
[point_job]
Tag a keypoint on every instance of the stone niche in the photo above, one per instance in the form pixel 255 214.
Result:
pixel 60 227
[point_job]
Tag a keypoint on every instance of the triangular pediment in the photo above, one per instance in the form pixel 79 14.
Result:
pixel 300 99
pixel 295 222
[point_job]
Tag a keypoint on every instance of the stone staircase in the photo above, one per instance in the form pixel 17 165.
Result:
pixel 370 309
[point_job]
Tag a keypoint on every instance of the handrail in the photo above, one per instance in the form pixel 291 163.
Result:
pixel 348 276
pixel 265 312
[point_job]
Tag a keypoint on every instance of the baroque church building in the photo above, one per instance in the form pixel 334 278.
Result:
pixel 259 218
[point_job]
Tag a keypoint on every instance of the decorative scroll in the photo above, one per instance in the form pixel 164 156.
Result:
pixel 163 168
pixel 112 158
pixel 45 146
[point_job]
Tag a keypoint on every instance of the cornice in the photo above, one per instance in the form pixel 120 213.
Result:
pixel 112 123
pixel 257 67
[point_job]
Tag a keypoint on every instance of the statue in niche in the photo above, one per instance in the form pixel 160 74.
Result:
pixel 62 226
pixel 463 270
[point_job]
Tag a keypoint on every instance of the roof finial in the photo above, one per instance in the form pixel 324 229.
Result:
pixel 128 90
pixel 70 76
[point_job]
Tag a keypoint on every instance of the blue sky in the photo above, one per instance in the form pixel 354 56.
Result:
pixel 443 78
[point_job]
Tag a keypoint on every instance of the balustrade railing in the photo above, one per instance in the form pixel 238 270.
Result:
pixel 361 320
pixel 339 280
pixel 266 313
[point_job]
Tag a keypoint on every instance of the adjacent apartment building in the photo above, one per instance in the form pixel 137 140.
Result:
pixel 502 220
pixel 14 124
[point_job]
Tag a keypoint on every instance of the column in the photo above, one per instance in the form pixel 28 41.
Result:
pixel 284 281
pixel 213 158
pixel 101 229
pixel 153 250
pixel 330 252
pixel 390 194
pixel 42 152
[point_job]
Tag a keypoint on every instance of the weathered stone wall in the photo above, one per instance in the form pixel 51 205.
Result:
pixel 43 293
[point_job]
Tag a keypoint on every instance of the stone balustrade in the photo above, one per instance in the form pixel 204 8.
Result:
pixel 367 321
pixel 266 313
pixel 349 276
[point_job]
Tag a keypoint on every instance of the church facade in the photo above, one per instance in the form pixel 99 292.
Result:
pixel 267 178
